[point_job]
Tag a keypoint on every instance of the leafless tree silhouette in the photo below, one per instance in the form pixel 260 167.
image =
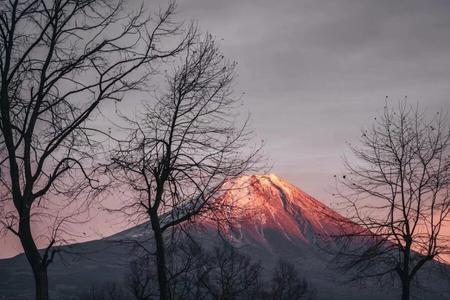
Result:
pixel 222 272
pixel 232 275
pixel 59 60
pixel 141 279
pixel 107 291
pixel 183 148
pixel 397 195
pixel 287 284
pixel 218 271
pixel 187 268
pixel 199 273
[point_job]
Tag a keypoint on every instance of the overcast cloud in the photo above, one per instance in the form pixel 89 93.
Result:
pixel 315 72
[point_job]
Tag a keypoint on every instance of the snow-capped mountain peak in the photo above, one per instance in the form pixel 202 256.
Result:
pixel 270 203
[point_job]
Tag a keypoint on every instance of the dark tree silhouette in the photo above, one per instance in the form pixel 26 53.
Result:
pixel 215 272
pixel 198 273
pixel 287 284
pixel 397 195
pixel 184 147
pixel 141 279
pixel 107 291
pixel 59 60
pixel 232 274
pixel 187 267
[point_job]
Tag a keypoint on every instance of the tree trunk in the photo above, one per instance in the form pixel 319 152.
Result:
pixel 406 279
pixel 160 259
pixel 41 284
pixel 34 258
pixel 405 289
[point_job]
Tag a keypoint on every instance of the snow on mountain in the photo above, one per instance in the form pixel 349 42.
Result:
pixel 267 202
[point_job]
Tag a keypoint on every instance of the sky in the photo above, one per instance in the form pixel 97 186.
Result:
pixel 313 73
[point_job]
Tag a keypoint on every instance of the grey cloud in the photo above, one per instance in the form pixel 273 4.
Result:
pixel 316 71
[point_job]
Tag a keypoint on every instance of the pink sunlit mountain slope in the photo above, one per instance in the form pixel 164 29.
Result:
pixel 269 203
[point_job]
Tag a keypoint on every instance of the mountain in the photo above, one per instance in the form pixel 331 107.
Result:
pixel 273 219
pixel 270 204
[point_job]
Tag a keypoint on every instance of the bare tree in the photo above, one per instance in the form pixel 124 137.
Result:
pixel 59 60
pixel 183 148
pixel 287 283
pixel 216 272
pixel 200 273
pixel 107 291
pixel 232 275
pixel 187 268
pixel 141 279
pixel 397 195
